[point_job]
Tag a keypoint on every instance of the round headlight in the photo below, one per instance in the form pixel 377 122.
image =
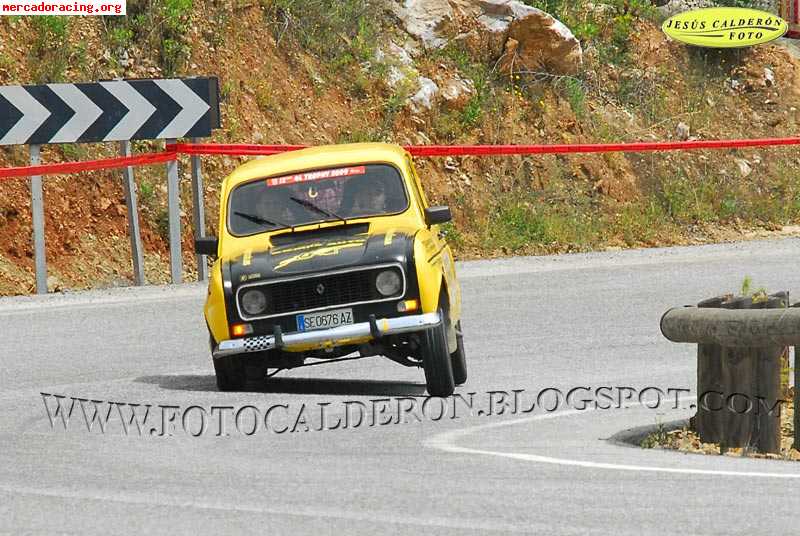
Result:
pixel 254 302
pixel 388 282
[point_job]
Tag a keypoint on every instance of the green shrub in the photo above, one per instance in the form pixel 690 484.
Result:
pixel 472 112
pixel 159 26
pixel 447 125
pixel 359 136
pixel 119 36
pixel 453 235
pixel 340 31
pixel 7 64
pixel 264 97
pixel 576 96
pixel 639 221
pixel 174 49
pixel 50 48
pixel 74 151
pixel 689 201
pixel 450 124
pixel 554 7
pixel 173 55
pixel 658 438
pixel 515 226
pixel 162 224
pixel 146 192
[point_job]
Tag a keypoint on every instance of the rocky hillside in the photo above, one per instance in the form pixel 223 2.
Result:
pixel 419 72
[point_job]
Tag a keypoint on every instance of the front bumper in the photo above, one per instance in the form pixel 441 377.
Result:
pixel 329 337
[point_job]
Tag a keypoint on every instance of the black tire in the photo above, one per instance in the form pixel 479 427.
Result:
pixel 458 359
pixel 230 373
pixel 436 362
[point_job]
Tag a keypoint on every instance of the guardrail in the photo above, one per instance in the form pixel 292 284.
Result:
pixel 742 350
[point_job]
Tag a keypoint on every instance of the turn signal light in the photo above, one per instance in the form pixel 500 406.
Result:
pixel 240 330
pixel 407 305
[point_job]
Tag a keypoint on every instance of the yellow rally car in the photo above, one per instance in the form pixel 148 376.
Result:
pixel 329 251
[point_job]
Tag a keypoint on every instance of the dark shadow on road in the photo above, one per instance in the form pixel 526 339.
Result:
pixel 305 386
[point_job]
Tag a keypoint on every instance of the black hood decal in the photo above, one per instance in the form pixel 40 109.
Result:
pixel 342 232
pixel 312 254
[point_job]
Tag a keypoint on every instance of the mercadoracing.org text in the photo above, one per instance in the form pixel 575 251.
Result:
pixel 62 7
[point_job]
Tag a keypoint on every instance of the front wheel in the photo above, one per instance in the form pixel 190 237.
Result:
pixel 230 372
pixel 459 358
pixel 436 362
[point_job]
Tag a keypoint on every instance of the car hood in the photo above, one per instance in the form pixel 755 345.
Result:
pixel 320 250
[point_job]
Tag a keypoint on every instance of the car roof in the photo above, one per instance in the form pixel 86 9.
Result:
pixel 324 156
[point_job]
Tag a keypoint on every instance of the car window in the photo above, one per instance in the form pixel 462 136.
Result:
pixel 315 196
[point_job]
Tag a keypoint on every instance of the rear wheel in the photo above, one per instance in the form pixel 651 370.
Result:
pixel 458 358
pixel 436 362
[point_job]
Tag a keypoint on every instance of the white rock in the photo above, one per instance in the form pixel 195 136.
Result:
pixel 422 139
pixel 399 54
pixel 423 99
pixel 502 28
pixel 422 19
pixel 682 131
pixel 54 284
pixel 401 68
pixel 395 75
pixel 744 166
pixel 123 59
pixel 457 91
pixel 769 76
pixel 535 39
pixel 673 7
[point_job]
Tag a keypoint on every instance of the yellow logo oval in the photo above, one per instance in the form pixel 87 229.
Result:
pixel 725 27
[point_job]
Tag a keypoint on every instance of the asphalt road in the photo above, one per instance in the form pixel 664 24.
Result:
pixel 530 324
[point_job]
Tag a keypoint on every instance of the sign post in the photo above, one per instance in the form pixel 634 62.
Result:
pixel 199 215
pixel 37 217
pixel 133 217
pixel 174 212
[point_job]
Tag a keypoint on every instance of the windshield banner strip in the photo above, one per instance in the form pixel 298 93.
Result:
pixel 317 175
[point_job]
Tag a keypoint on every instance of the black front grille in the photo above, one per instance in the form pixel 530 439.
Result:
pixel 336 289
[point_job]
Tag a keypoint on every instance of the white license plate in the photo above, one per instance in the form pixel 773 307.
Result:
pixel 324 320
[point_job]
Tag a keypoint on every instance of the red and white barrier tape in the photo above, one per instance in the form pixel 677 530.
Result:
pixel 415 150
pixel 233 149
pixel 88 165
pixel 501 150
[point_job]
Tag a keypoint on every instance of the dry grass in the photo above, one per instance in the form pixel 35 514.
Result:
pixel 686 440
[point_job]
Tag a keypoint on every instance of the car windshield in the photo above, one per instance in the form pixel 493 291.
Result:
pixel 316 196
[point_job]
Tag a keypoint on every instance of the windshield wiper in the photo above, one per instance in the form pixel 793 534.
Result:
pixel 259 220
pixel 311 206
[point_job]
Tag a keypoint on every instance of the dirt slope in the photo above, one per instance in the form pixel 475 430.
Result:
pixel 284 80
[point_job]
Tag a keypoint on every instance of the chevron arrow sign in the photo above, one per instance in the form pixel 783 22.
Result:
pixel 116 110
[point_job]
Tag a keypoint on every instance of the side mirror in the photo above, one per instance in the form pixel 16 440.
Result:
pixel 206 246
pixel 437 215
